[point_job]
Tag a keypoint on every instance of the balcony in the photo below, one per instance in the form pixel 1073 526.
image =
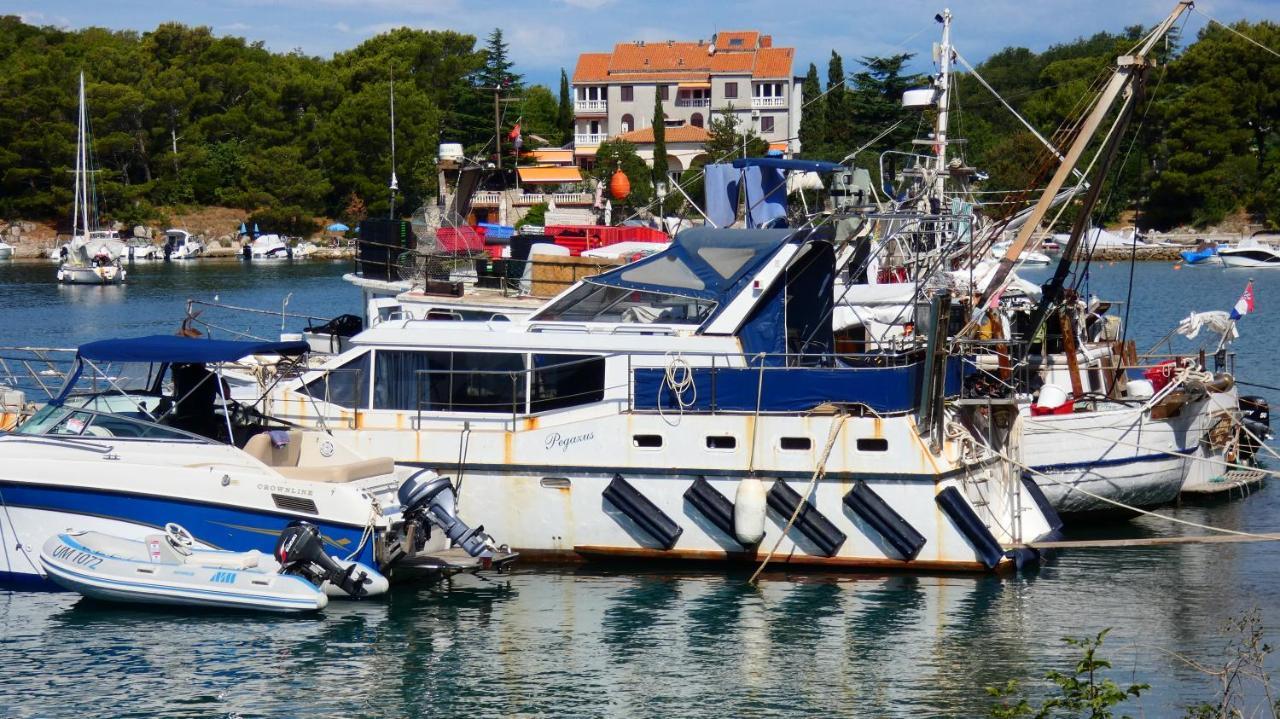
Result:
pixel 765 103
pixel 591 106
pixel 693 102
pixel 588 139
pixel 573 198
pixel 486 199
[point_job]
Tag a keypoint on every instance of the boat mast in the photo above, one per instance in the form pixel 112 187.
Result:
pixel 1128 69
pixel 80 201
pixel 944 100
pixel 391 215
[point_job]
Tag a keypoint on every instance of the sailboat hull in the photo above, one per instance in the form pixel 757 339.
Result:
pixel 109 275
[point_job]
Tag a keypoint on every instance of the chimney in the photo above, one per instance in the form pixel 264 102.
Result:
pixel 766 41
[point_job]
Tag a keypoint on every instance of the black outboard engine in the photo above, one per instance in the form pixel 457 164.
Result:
pixel 299 550
pixel 1257 419
pixel 434 501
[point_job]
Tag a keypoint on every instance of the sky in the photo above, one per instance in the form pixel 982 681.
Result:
pixel 546 35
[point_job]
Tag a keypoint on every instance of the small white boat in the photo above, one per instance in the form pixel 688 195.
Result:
pixel 170 569
pixel 181 245
pixel 80 269
pixel 1027 258
pixel 270 247
pixel 1250 253
pixel 6 250
pixel 140 250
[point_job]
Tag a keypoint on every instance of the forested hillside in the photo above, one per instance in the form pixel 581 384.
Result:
pixel 1205 144
pixel 181 117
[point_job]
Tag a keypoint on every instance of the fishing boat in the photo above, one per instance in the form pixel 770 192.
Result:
pixel 1250 252
pixel 170 569
pixel 126 461
pixel 181 245
pixel 91 258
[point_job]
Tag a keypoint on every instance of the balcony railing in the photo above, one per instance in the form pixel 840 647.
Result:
pixel 693 102
pixel 573 198
pixel 767 102
pixel 589 138
pixel 591 105
pixel 486 199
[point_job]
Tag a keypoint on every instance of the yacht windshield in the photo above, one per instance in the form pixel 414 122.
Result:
pixel 600 303
pixel 64 421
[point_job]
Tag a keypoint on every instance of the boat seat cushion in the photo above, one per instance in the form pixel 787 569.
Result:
pixel 226 560
pixel 338 473
pixel 260 447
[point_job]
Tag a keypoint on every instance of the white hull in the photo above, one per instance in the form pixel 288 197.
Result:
pixel 108 275
pixel 6 251
pixel 1120 454
pixel 1233 260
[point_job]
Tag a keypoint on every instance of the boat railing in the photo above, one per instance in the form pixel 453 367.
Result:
pixel 38 371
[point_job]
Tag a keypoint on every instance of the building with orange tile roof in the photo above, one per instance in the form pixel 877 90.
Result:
pixel 735 71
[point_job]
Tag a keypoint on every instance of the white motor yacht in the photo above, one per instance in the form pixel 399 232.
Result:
pixel 1250 253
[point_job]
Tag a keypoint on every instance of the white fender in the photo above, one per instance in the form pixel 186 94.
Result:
pixel 748 511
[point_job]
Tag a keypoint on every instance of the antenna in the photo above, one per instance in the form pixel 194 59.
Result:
pixel 394 185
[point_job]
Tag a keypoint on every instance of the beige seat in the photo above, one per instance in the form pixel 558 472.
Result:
pixel 285 461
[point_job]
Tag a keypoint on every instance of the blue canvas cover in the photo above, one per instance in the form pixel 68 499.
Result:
pixel 779 163
pixel 175 349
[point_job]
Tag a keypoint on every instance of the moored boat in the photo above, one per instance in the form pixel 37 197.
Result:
pixel 1250 252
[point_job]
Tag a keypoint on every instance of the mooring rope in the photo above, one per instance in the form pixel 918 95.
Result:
pixel 837 423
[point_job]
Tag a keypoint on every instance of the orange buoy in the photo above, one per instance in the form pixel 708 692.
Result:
pixel 1177 267
pixel 619 185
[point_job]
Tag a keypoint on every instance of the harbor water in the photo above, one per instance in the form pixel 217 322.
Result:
pixel 649 640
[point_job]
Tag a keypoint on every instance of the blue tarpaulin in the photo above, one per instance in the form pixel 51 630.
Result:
pixel 171 348
pixel 779 163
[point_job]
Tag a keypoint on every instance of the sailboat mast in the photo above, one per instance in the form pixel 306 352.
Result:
pixel 76 198
pixel 944 101
pixel 394 185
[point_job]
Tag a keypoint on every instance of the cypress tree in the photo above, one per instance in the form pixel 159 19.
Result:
pixel 836 108
pixel 566 109
pixel 813 122
pixel 659 140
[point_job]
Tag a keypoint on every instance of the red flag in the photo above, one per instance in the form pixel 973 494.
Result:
pixel 515 133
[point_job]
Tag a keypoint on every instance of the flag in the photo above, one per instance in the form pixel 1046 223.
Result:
pixel 514 136
pixel 1244 305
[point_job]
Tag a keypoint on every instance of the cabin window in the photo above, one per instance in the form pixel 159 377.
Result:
pixel 565 381
pixel 873 444
pixel 795 444
pixel 449 381
pixel 647 441
pixel 721 442
pixel 345 386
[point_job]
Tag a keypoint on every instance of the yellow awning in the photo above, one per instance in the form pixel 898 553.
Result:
pixel 695 86
pixel 550 157
pixel 779 146
pixel 549 175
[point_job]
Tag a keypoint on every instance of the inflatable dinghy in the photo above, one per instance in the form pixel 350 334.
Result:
pixel 168 569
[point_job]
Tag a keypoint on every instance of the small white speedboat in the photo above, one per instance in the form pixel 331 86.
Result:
pixel 6 250
pixel 1250 253
pixel 93 273
pixel 170 569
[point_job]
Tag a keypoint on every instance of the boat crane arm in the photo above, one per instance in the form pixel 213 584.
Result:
pixel 1129 68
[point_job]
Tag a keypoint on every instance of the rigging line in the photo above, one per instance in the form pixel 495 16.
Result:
pixel 1273 388
pixel 1235 31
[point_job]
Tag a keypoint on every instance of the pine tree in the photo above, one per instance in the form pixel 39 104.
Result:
pixel 496 71
pixel 813 122
pixel 659 140
pixel 566 108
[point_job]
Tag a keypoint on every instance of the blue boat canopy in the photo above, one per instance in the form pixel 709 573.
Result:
pixel 779 163
pixel 172 348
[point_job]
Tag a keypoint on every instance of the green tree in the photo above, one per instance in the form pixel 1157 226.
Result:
pixel 725 139
pixel 837 108
pixel 615 154
pixel 566 108
pixel 541 115
pixel 813 125
pixel 659 140
pixel 877 102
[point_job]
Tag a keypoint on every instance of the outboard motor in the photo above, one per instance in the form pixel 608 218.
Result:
pixel 1257 419
pixel 299 550
pixel 433 500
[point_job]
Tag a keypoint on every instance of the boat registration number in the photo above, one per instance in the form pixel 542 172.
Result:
pixel 77 557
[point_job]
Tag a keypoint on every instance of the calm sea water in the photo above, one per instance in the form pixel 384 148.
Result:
pixel 638 641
